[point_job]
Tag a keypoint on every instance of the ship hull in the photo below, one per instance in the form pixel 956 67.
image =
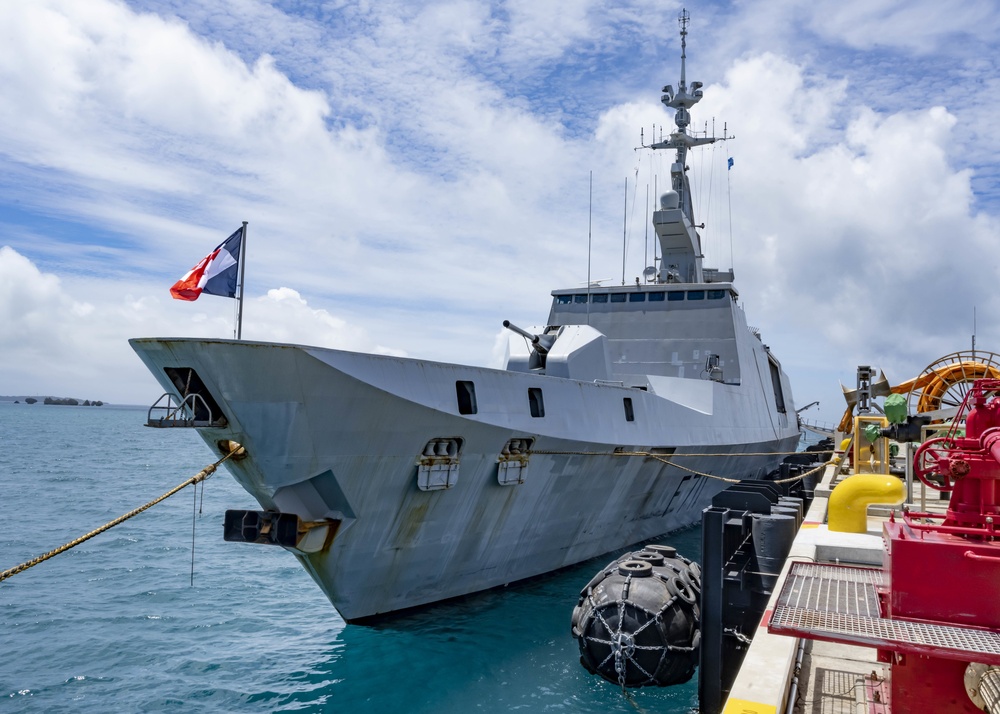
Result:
pixel 340 436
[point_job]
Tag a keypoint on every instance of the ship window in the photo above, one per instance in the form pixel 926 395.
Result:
pixel 779 397
pixel 466 392
pixel 617 297
pixel 564 299
pixel 629 413
pixel 716 294
pixel 600 297
pixel 580 299
pixel 676 295
pixel 637 297
pixel 696 294
pixel 656 297
pixel 535 402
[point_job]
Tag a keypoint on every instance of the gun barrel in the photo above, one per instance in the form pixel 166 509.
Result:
pixel 535 339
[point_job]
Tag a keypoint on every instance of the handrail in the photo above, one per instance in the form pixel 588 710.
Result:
pixel 182 414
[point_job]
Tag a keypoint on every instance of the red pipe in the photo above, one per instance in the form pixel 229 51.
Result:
pixel 990 440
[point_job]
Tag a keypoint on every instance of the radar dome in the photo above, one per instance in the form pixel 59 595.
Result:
pixel 669 201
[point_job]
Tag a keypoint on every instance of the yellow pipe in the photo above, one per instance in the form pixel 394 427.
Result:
pixel 849 501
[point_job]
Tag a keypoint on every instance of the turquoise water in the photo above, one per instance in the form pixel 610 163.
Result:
pixel 115 625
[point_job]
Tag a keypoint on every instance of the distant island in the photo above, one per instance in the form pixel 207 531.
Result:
pixel 70 402
pixel 61 401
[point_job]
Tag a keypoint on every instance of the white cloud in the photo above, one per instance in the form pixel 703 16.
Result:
pixel 159 119
pixel 283 316
pixel 857 238
pixel 421 170
pixel 50 342
pixel 920 26
pixel 53 342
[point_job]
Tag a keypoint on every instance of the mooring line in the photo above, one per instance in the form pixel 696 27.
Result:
pixel 791 479
pixel 720 454
pixel 667 459
pixel 197 478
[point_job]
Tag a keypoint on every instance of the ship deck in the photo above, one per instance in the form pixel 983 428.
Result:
pixel 792 675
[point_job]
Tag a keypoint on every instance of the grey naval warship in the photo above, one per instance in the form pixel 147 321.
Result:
pixel 401 482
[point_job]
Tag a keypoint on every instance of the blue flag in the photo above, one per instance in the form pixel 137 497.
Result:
pixel 730 162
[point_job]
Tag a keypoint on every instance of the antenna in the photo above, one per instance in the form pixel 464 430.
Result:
pixel 624 229
pixel 645 239
pixel 973 333
pixel 729 197
pixel 590 233
pixel 683 20
pixel 656 240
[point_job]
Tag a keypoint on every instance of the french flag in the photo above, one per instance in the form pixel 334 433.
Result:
pixel 215 274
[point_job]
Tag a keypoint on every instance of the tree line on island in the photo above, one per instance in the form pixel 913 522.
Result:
pixel 65 401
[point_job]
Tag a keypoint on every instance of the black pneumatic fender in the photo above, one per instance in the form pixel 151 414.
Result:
pixel 637 621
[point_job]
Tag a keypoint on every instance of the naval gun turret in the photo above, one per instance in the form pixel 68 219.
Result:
pixel 571 351
pixel 541 343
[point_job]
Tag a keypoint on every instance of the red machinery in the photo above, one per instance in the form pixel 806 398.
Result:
pixel 948 571
pixel 933 611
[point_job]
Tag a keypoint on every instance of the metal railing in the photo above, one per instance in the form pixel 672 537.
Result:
pixel 191 411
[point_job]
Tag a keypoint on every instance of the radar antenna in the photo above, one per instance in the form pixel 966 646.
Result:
pixel 683 20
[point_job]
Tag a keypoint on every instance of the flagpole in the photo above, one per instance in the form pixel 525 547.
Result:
pixel 243 266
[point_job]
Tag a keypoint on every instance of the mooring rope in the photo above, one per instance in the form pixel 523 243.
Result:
pixel 669 462
pixel 653 453
pixel 197 478
pixel 791 479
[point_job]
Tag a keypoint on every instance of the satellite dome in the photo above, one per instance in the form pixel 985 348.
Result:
pixel 669 201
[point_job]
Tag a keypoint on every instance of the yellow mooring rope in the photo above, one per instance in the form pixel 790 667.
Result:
pixel 791 479
pixel 197 478
pixel 666 459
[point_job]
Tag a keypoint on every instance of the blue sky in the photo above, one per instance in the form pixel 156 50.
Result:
pixel 415 173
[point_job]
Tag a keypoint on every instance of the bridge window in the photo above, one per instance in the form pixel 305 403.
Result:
pixel 629 412
pixel 656 297
pixel 580 299
pixel 564 299
pixel 716 294
pixel 637 297
pixel 676 295
pixel 599 297
pixel 696 294
pixel 617 297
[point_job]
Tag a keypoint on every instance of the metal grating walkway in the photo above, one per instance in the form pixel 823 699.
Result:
pixel 840 604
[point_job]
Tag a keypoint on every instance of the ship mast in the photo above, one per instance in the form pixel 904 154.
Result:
pixel 674 222
pixel 681 102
